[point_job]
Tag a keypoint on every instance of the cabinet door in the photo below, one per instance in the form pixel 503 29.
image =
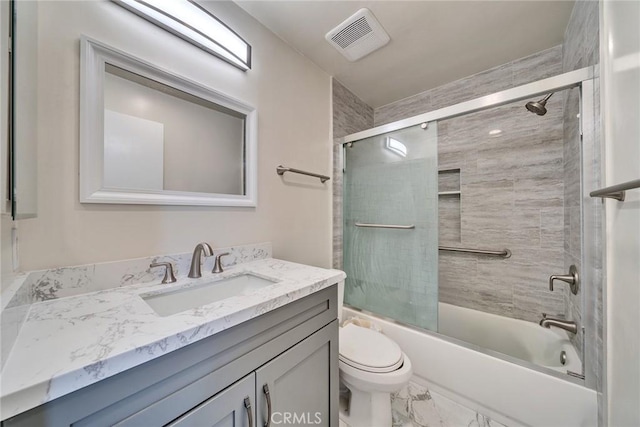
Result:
pixel 232 407
pixel 300 386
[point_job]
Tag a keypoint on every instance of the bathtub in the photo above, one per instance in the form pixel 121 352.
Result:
pixel 525 341
pixel 500 387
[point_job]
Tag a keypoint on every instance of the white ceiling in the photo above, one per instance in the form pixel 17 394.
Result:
pixel 432 42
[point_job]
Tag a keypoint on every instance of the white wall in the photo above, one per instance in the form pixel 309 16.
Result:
pixel 621 112
pixel 291 94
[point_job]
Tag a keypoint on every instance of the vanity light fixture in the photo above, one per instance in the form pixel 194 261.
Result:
pixel 191 22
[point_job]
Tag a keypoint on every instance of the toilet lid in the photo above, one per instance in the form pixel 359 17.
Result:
pixel 369 350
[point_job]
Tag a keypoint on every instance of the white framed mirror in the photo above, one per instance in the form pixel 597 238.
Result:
pixel 150 136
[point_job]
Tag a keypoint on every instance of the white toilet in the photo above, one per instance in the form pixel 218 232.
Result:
pixel 372 366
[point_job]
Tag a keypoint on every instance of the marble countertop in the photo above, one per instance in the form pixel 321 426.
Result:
pixel 69 343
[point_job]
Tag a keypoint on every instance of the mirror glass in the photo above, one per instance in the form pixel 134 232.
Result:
pixel 24 114
pixel 159 138
pixel 150 136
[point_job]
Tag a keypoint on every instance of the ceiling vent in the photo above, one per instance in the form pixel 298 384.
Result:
pixel 358 36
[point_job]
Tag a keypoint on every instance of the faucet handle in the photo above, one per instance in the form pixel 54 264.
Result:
pixel 217 265
pixel 169 277
pixel 573 279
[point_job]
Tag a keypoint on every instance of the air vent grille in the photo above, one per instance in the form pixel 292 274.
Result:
pixel 358 36
pixel 352 33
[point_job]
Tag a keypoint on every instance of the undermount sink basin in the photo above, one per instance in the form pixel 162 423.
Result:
pixel 172 302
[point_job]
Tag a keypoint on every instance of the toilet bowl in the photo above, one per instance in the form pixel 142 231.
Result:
pixel 372 366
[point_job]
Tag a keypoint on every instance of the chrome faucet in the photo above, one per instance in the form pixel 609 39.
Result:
pixel 196 260
pixel 567 325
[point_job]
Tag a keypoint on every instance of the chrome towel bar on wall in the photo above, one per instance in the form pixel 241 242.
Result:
pixel 282 169
pixel 616 191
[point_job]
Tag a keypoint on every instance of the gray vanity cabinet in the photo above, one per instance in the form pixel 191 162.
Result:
pixel 292 349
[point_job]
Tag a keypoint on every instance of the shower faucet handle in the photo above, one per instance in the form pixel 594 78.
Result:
pixel 573 279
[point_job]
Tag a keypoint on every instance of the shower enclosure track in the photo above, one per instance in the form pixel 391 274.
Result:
pixel 541 87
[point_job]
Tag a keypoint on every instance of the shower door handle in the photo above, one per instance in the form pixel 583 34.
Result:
pixel 573 279
pixel 397 227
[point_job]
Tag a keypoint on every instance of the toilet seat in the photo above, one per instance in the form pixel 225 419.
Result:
pixel 368 350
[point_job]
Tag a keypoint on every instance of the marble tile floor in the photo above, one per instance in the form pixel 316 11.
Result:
pixel 416 406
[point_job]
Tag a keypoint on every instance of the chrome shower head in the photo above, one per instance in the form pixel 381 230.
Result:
pixel 538 107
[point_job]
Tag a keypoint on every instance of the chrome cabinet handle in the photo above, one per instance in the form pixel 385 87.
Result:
pixel 265 390
pixel 217 265
pixel 247 406
pixel 573 279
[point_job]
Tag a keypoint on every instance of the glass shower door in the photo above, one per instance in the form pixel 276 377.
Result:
pixel 391 225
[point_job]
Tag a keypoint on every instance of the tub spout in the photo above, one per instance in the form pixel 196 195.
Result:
pixel 567 325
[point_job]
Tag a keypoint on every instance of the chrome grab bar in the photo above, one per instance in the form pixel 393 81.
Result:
pixel 505 253
pixel 282 169
pixel 616 191
pixel 397 227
